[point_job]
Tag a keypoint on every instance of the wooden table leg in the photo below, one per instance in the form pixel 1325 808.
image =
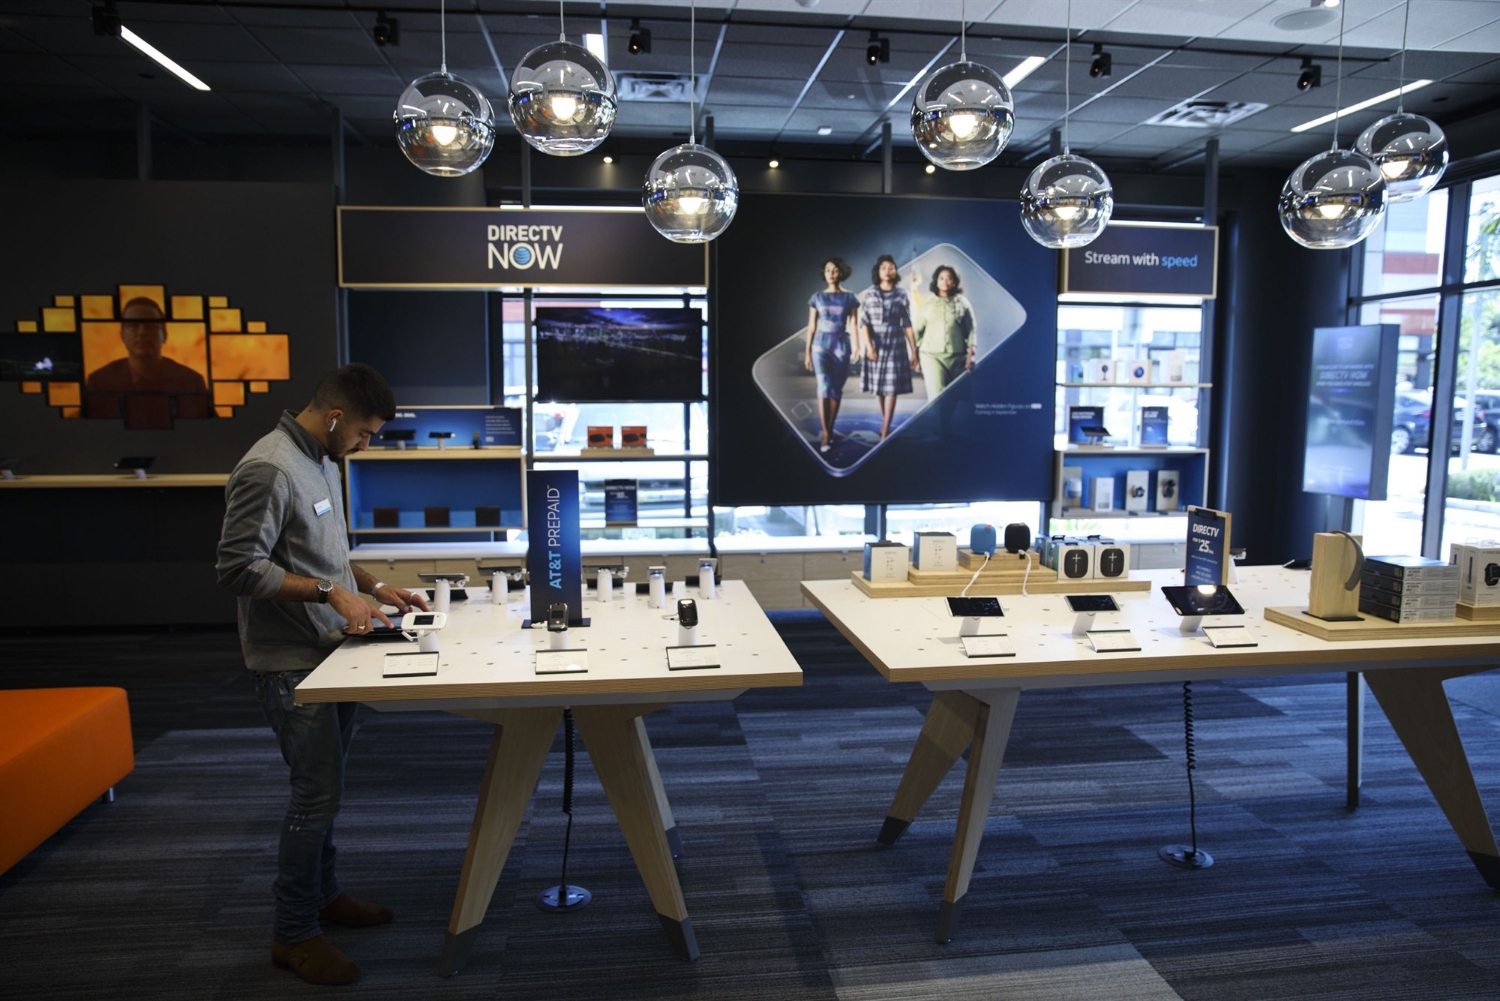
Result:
pixel 947 730
pixel 517 752
pixel 1417 706
pixel 621 759
pixel 991 731
pixel 669 824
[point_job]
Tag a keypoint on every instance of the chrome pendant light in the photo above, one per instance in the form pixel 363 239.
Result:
pixel 690 194
pixel 562 97
pixel 1410 150
pixel 962 115
pixel 1336 198
pixel 443 123
pixel 1067 200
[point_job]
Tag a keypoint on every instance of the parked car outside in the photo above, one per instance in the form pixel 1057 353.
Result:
pixel 1412 426
pixel 1488 400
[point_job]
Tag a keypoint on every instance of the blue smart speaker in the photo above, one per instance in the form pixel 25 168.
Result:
pixel 982 540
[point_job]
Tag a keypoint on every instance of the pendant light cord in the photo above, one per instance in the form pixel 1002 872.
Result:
pixel 963 31
pixel 693 73
pixel 1401 81
pixel 1067 75
pixel 562 28
pixel 443 33
pixel 1339 91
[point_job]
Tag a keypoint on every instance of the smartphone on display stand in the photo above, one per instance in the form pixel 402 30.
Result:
pixel 975 608
pixel 792 390
pixel 1092 603
pixel 1203 599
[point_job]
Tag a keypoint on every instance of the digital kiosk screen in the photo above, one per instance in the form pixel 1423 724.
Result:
pixel 41 358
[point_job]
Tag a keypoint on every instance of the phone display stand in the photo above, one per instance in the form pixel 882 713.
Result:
pixel 707 588
pixel 968 626
pixel 657 591
pixel 558 640
pixel 605 584
pixel 1190 624
pixel 427 642
pixel 1083 623
pixel 497 588
pixel 442 592
pixel 687 635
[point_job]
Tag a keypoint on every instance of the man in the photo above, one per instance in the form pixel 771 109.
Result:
pixel 285 551
pixel 145 382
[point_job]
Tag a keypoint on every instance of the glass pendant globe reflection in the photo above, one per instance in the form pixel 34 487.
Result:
pixel 962 116
pixel 1333 200
pixel 1411 152
pixel 690 194
pixel 562 99
pixel 444 125
pixel 1066 202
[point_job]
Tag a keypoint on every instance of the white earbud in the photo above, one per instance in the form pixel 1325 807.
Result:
pixel 333 424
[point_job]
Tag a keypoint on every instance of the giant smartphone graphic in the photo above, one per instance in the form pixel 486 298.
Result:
pixel 792 390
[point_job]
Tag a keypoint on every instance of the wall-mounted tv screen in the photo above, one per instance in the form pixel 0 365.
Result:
pixel 41 358
pixel 617 355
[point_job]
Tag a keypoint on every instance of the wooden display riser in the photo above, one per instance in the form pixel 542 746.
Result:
pixel 1477 613
pixel 939 584
pixel 1372 629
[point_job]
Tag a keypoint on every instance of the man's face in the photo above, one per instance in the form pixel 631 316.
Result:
pixel 143 330
pixel 351 434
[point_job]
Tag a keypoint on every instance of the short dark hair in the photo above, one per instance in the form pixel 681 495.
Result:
pixel 844 269
pixel 875 271
pixel 958 286
pixel 356 389
pixel 142 300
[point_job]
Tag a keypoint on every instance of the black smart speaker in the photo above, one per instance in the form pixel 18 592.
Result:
pixel 1017 538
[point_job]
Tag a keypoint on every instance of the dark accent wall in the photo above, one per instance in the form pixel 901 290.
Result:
pixel 1273 292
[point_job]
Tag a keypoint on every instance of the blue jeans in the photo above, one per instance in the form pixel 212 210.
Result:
pixel 314 742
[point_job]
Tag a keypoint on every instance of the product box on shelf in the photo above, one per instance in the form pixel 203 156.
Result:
pixel 934 551
pixel 1072 486
pixel 886 562
pixel 1101 370
pixel 1478 573
pixel 1168 491
pixel 1175 366
pixel 633 436
pixel 1111 560
pixel 1103 493
pixel 1074 560
pixel 1134 371
pixel 1154 425
pixel 1137 490
pixel 601 436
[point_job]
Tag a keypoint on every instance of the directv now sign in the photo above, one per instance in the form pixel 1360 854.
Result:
pixel 460 248
pixel 1144 259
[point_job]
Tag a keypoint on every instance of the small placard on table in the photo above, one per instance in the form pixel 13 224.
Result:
pixel 995 645
pixel 410 665
pixel 562 661
pixel 692 658
pixel 1114 641
pixel 1229 636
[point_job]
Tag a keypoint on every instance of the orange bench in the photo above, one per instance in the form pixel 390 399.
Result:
pixel 60 749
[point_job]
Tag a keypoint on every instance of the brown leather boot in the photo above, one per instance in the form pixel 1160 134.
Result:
pixel 345 910
pixel 315 960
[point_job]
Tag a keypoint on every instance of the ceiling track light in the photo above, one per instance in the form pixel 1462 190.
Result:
pixel 879 49
pixel 640 38
pixel 1312 75
pixel 1103 64
pixel 387 30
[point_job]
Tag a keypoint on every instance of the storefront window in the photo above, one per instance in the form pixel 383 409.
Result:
pixel 1472 506
pixel 1405 250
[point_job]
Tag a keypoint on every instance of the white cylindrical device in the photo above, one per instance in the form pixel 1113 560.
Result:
pixel 658 591
pixel 706 587
pixel 428 642
pixel 558 640
pixel 606 584
pixel 497 588
pixel 687 635
pixel 440 591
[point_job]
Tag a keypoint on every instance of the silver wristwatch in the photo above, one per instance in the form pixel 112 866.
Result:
pixel 325 588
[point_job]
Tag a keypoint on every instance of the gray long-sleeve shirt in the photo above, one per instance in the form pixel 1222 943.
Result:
pixel 284 513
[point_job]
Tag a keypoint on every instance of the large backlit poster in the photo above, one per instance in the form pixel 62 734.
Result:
pixel 1351 398
pixel 882 349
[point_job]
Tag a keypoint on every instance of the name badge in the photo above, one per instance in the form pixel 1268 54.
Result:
pixel 322 507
